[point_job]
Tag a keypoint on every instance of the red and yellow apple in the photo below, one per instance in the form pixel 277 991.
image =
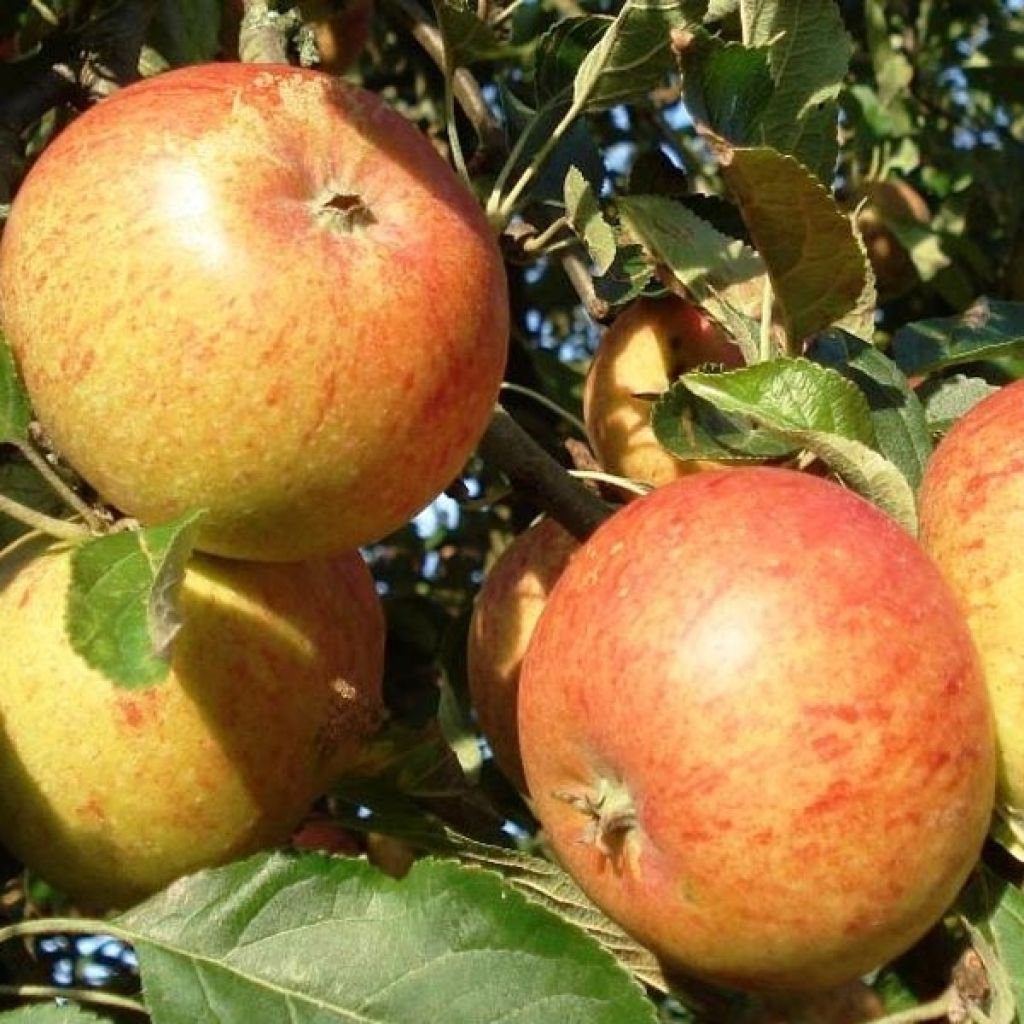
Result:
pixel 755 729
pixel 972 512
pixel 257 291
pixel 274 689
pixel 504 616
pixel 646 349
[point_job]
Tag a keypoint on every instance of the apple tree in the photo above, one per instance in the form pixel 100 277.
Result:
pixel 626 260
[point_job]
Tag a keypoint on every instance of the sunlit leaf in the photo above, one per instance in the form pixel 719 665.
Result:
pixel 584 214
pixel 314 938
pixel 15 410
pixel 122 613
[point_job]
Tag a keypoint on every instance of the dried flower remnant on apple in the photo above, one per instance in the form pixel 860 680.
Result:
pixel 194 333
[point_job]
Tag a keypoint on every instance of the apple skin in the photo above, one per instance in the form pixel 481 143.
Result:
pixel 198 328
pixel 504 616
pixel 755 729
pixel 646 349
pixel 274 689
pixel 971 513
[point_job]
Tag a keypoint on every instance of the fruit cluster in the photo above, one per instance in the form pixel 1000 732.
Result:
pixel 752 681
pixel 220 288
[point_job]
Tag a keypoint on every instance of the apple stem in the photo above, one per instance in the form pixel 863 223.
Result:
pixel 59 528
pixel 67 494
pixel 79 995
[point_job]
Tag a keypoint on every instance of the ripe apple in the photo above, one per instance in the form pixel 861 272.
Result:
pixel 890 202
pixel 112 793
pixel 258 291
pixel 646 349
pixel 504 616
pixel 972 510
pixel 755 729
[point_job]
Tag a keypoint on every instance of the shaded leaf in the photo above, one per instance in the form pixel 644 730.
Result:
pixel 316 938
pixel 632 56
pixel 721 274
pixel 693 428
pixel 726 86
pixel 988 330
pixel 584 213
pixel 187 33
pixel 122 613
pixel 902 432
pixel 1001 1007
pixel 560 52
pixel 466 38
pixel 15 409
pixel 946 399
pixel 817 267
pixel 809 55
pixel 22 483
pixel 626 278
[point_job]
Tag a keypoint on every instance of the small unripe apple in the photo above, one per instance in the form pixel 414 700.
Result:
pixel 274 689
pixel 646 349
pixel 257 291
pixel 755 730
pixel 972 514
pixel 504 616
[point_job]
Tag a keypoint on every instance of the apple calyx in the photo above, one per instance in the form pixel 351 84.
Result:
pixel 611 813
pixel 343 211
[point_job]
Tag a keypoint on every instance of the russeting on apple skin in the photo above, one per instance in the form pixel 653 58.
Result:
pixel 972 514
pixel 258 291
pixel 755 730
pixel 274 690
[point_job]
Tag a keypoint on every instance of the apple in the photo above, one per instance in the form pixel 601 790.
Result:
pixel 646 349
pixel 972 510
pixel 755 730
pixel 274 689
pixel 890 202
pixel 504 616
pixel 257 291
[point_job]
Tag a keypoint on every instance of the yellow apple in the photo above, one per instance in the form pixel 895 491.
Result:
pixel 972 514
pixel 504 616
pixel 111 793
pixel 645 350
pixel 257 291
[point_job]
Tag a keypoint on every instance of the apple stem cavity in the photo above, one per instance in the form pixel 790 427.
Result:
pixel 344 212
pixel 611 811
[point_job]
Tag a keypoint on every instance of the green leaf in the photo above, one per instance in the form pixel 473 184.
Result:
pixel 22 483
pixel 560 52
pixel 817 267
pixel 467 39
pixel 693 428
pixel 902 432
pixel 997 912
pixel 317 939
pixel 633 55
pixel 722 275
pixel 809 55
pixel 726 86
pixel 626 278
pixel 122 613
pixel 50 1014
pixel 187 33
pixel 946 399
pixel 530 129
pixel 584 213
pixel 988 330
pixel 15 409
pixel 820 410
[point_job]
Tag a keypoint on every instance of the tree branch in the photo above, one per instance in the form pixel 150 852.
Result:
pixel 539 477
